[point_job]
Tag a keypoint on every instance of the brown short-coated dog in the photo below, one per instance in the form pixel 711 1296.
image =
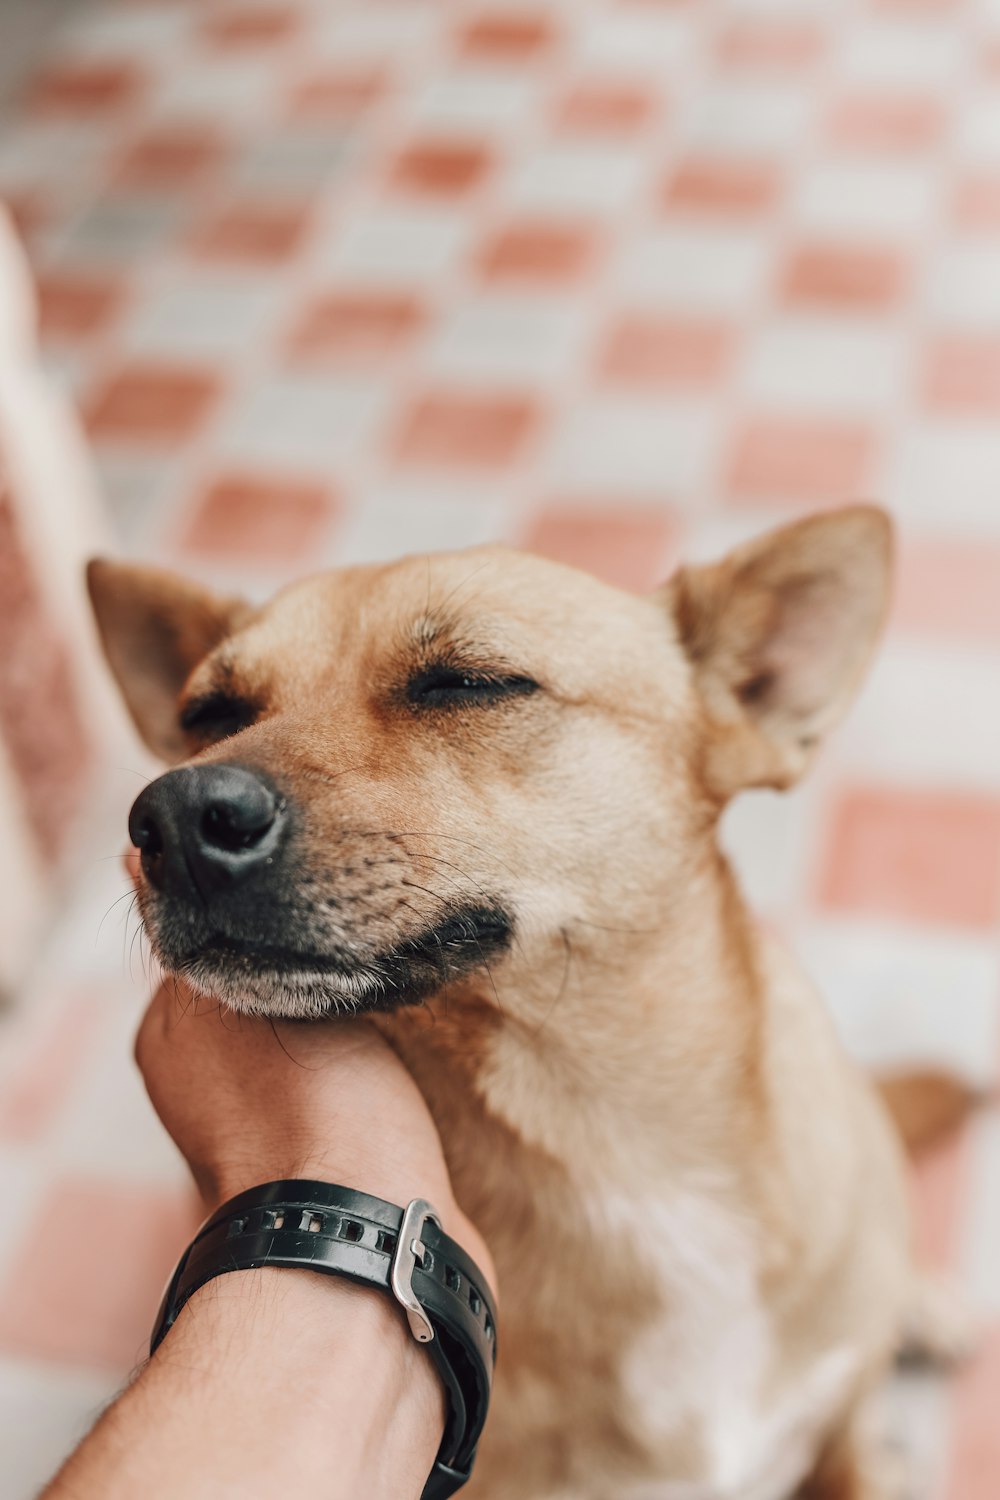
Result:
pixel 489 783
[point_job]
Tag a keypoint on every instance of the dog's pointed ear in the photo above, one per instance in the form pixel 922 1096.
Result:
pixel 779 634
pixel 155 627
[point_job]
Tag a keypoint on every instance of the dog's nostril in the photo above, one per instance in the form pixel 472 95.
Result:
pixel 147 838
pixel 236 825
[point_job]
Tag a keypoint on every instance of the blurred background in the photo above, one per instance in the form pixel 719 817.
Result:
pixel 294 284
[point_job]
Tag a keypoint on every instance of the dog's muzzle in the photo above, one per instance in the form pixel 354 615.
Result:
pixel 232 904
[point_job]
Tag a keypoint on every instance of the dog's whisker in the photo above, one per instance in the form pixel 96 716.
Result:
pixel 116 902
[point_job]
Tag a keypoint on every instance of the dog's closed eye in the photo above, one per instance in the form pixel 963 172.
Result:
pixel 216 716
pixel 443 686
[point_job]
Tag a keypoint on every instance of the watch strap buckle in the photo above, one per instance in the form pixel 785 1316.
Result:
pixel 411 1252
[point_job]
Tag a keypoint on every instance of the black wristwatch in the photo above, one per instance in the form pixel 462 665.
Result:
pixel 405 1252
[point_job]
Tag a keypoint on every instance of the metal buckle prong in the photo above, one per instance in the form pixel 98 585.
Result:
pixel 410 1252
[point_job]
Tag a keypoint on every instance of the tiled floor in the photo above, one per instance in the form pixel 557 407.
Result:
pixel 335 279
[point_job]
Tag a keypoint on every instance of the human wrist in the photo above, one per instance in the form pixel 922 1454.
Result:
pixel 318 1359
pixel 270 1380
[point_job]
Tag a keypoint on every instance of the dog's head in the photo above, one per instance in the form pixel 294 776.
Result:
pixel 390 778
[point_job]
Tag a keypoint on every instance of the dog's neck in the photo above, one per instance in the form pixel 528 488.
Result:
pixel 617 1043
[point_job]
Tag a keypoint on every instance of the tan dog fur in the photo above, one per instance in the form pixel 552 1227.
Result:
pixel 695 1202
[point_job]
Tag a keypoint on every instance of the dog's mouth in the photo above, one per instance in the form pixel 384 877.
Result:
pixel 275 978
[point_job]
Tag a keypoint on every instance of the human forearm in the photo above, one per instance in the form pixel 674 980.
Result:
pixel 270 1381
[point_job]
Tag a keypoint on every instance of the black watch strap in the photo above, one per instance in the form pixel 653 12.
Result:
pixel 341 1232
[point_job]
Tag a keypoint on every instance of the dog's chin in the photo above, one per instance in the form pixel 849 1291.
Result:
pixel 297 991
pixel 259 979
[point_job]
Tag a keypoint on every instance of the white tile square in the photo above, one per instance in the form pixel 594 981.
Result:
pixel 476 100
pixel 978 130
pixel 944 474
pixel 383 245
pixel 903 996
pixel 661 450
pixel 592 179
pixel 847 366
pixel 643 38
pixel 304 420
pixel 907 53
pixel 508 337
pixel 734 118
pixel 766 834
pixel 238 93
pixel 390 31
pixel 891 199
pixel 218 315
pixel 398 518
pixel 963 287
pixel 929 715
pixel 689 268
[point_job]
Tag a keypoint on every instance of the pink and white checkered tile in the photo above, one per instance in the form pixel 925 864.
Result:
pixel 611 279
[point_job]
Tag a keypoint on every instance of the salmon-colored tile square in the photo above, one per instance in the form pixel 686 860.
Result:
pixel 250 26
pixel 357 325
pixel 338 93
pixel 940 1182
pixel 863 279
pixel 506 36
pixel 152 403
pixel 887 122
pixel 924 856
pixel 255 519
pixel 441 168
pixel 77 306
pixel 452 429
pixel 258 233
pixel 86 88
pixel 771 44
pixel 537 251
pixel 963 375
pixel 977 202
pixel 948 588
pixel 629 546
pixel 974 1462
pixel 645 350
pixel 169 157
pixel 799 459
pixel 736 189
pixel 607 107
pixel 86 1283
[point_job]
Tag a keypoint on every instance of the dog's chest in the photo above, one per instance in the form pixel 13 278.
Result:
pixel 706 1378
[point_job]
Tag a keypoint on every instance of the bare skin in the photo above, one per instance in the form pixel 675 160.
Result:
pixel 279 1380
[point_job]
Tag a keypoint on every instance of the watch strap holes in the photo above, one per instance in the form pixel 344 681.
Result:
pixel 312 1223
pixel 235 1227
pixel 386 1242
pixel 452 1278
pixel 351 1230
pixel 274 1218
pixel 475 1301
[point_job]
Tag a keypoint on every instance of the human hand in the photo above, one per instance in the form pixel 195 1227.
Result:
pixel 249 1100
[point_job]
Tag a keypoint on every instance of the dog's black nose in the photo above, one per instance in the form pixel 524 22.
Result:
pixel 203 827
